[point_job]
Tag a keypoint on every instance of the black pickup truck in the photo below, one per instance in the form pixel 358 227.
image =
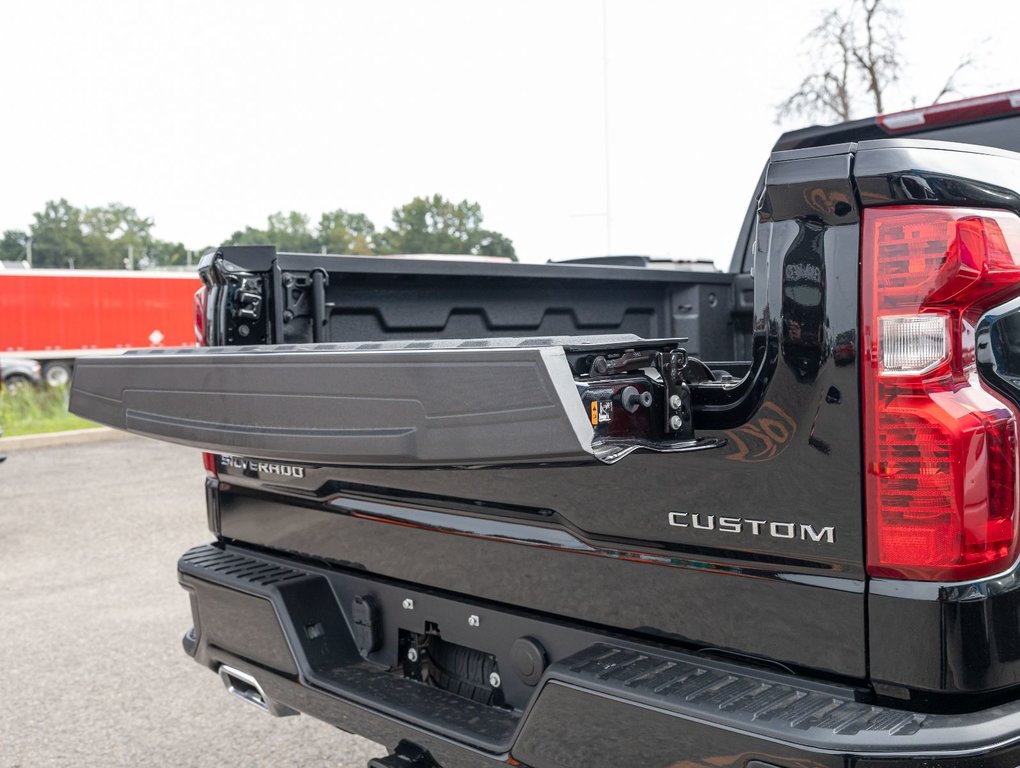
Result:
pixel 600 515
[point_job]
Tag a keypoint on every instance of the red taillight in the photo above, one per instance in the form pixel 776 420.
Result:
pixel 952 112
pixel 209 461
pixel 201 307
pixel 940 448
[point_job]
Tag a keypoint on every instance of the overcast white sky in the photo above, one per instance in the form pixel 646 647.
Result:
pixel 207 116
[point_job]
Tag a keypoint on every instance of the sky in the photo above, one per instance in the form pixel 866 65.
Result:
pixel 208 116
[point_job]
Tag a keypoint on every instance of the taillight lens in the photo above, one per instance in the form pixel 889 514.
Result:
pixel 940 448
pixel 209 462
pixel 201 307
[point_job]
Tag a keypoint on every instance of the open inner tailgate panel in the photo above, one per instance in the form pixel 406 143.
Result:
pixel 492 401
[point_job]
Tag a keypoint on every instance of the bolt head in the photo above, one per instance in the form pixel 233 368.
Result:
pixel 674 402
pixel 474 621
pixel 408 604
pixel 494 679
pixel 675 422
pixel 412 654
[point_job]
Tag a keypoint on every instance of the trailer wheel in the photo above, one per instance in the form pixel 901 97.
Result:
pixel 57 374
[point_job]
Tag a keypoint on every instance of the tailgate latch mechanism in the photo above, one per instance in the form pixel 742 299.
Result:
pixel 636 395
pixel 677 394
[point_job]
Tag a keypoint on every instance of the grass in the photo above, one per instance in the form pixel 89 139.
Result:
pixel 30 411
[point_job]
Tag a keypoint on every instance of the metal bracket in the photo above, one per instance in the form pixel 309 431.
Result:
pixel 678 395
pixel 406 755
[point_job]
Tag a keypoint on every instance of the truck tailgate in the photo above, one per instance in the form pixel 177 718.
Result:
pixel 343 404
pixel 474 468
pixel 487 469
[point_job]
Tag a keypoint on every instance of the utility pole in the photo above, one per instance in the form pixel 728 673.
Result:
pixel 28 251
pixel 131 256
pixel 605 125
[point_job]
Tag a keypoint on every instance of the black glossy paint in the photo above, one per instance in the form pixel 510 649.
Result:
pixel 600 700
pixel 792 430
pixel 691 599
pixel 1002 132
pixel 789 442
pixel 933 173
pixel 696 550
pixel 569 728
pixel 964 637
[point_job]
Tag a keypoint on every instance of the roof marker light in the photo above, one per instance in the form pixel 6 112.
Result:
pixel 953 112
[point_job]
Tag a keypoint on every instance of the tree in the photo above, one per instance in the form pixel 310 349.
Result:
pixel 163 254
pixel 102 237
pixel 58 237
pixel 248 236
pixel 343 232
pixel 287 231
pixel 290 232
pixel 13 245
pixel 111 236
pixel 856 61
pixel 437 225
pixel 116 236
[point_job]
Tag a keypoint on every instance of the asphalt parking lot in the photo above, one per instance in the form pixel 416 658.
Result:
pixel 91 616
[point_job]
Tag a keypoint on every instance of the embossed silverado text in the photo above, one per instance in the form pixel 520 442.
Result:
pixel 262 467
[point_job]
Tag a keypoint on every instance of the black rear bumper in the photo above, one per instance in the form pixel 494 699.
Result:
pixel 600 701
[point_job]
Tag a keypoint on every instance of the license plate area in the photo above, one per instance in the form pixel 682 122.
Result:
pixel 431 660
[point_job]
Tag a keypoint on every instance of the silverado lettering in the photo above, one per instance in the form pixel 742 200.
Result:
pixel 262 467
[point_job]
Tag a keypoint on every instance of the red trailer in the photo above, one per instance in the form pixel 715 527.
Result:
pixel 58 315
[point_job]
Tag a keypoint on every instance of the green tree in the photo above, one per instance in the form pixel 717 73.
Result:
pixel 287 231
pixel 437 225
pixel 12 245
pixel 248 236
pixel 160 253
pixel 58 236
pixel 116 237
pixel 343 232
pixel 111 236
pixel 291 232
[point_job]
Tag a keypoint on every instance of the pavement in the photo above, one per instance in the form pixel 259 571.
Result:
pixel 91 618
pixel 50 439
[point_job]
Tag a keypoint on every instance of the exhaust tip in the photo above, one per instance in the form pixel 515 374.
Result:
pixel 247 688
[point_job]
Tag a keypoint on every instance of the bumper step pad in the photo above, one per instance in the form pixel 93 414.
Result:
pixel 328 658
pixel 691 691
pixel 683 685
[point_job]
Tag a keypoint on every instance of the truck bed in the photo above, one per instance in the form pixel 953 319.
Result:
pixel 491 546
pixel 313 298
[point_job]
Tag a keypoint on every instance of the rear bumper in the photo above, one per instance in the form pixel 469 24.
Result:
pixel 600 701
